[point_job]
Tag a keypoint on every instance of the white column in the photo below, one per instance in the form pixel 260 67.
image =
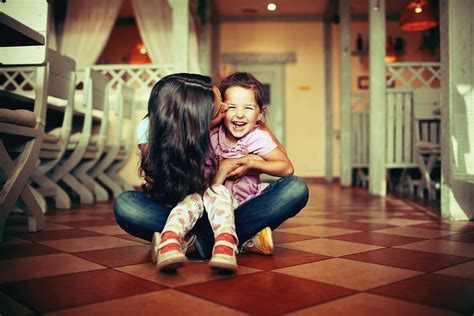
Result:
pixel 377 154
pixel 180 36
pixel 457 109
pixel 328 99
pixel 345 91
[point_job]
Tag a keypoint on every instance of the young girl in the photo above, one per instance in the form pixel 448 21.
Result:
pixel 240 147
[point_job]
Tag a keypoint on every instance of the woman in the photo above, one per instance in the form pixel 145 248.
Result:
pixel 181 110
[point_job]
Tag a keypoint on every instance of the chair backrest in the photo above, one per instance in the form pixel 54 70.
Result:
pixel 360 139
pixel 61 74
pixel 428 127
pixel 128 106
pixel 399 125
pixel 31 18
pixel 99 90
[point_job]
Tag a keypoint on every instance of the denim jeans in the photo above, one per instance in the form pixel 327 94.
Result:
pixel 140 215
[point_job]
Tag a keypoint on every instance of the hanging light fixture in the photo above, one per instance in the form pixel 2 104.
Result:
pixel 418 15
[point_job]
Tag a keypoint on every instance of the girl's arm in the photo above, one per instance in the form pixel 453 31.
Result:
pixel 275 163
pixel 264 127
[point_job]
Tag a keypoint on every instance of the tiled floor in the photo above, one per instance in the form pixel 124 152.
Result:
pixel 345 253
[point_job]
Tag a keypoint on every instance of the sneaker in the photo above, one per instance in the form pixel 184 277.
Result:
pixel 155 244
pixel 221 262
pixel 261 243
pixel 170 259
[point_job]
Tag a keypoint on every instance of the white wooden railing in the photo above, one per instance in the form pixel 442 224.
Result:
pixel 414 75
pixel 141 78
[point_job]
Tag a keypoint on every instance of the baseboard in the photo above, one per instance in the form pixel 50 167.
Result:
pixel 320 180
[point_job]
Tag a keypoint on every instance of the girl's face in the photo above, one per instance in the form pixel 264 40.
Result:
pixel 243 113
pixel 220 108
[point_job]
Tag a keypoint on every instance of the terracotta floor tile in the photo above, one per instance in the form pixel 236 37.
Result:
pixel 307 221
pixel 359 226
pixel 396 221
pixel 442 246
pixel 280 259
pixel 328 247
pixel 348 273
pixel 373 238
pixel 166 302
pixel 23 228
pixel 465 270
pixel 433 289
pixel 266 293
pixel 59 218
pixel 70 290
pixel 105 230
pixel 90 222
pixel 88 243
pixel 9 306
pixel 117 257
pixel 280 237
pixel 370 304
pixel 415 232
pixel 194 272
pixel 24 250
pixel 408 259
pixel 290 225
pixel 43 266
pixel 460 226
pixel 58 234
pixel 318 231
pixel 464 237
pixel 132 238
pixel 12 240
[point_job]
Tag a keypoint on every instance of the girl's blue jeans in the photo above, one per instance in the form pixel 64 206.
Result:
pixel 140 215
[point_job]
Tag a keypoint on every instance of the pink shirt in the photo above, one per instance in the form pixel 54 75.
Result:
pixel 256 142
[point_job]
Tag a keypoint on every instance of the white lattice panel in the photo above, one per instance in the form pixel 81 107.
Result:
pixel 18 80
pixel 414 75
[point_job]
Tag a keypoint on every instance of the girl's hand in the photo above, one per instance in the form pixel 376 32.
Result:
pixel 226 166
pixel 245 166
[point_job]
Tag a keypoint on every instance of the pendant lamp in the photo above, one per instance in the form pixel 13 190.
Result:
pixel 418 15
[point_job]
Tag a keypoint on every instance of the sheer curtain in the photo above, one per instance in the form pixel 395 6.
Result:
pixel 154 24
pixel 87 28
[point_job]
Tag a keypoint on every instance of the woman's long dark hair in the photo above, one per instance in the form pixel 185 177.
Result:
pixel 179 111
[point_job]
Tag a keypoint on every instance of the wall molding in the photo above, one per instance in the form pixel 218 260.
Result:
pixel 259 58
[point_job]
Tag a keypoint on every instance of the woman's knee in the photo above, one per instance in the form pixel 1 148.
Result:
pixel 296 187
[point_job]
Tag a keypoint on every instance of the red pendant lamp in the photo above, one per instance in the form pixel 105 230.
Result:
pixel 418 15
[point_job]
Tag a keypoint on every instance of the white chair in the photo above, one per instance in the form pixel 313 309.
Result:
pixel 21 125
pixel 62 87
pixel 399 136
pixel 83 148
pixel 123 102
pixel 427 138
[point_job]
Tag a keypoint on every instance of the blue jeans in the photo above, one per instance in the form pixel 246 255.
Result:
pixel 140 215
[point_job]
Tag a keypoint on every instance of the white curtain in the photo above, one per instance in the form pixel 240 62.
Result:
pixel 52 39
pixel 154 24
pixel 87 28
pixel 154 20
pixel 194 63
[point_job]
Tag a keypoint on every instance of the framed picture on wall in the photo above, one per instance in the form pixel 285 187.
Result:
pixel 363 82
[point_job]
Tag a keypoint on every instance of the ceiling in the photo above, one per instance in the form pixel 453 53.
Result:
pixel 290 8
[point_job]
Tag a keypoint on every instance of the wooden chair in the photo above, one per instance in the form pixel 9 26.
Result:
pixel 399 136
pixel 83 148
pixel 27 22
pixel 62 87
pixel 360 146
pixel 427 138
pixel 123 102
